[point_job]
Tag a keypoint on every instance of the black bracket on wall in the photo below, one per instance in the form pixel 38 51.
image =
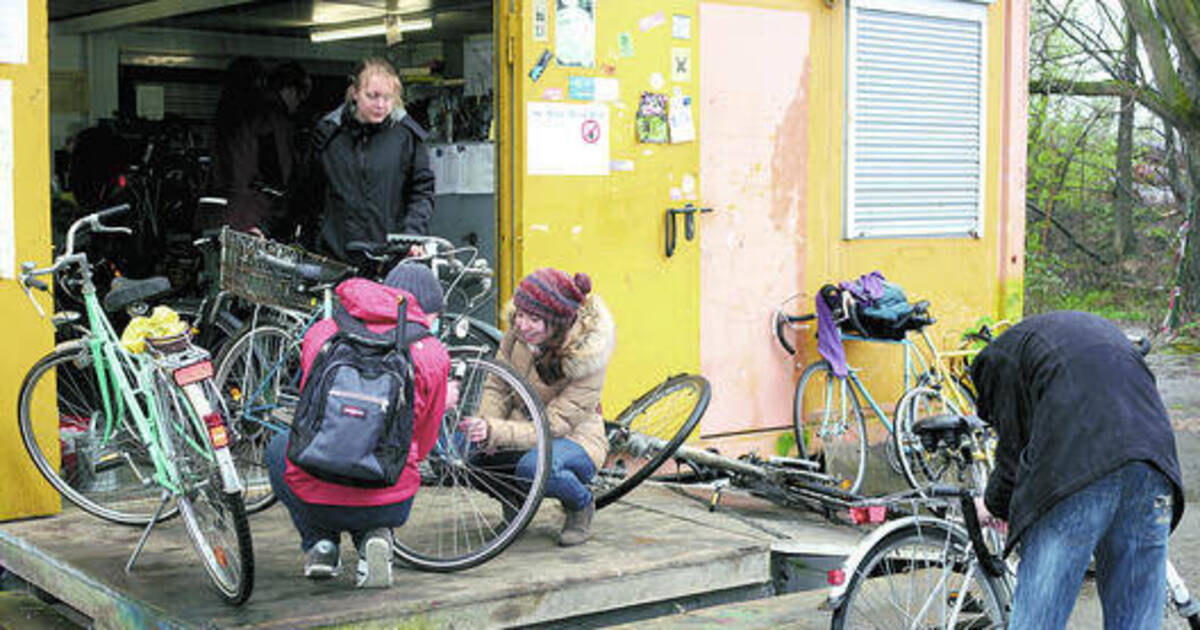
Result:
pixel 689 224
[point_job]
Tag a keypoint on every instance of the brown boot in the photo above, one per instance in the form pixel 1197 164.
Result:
pixel 576 528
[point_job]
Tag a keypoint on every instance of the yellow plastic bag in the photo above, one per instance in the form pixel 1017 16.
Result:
pixel 163 322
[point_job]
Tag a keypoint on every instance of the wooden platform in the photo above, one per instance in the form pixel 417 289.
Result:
pixel 656 546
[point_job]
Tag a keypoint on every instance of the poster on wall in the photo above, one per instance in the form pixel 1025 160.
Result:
pixel 679 119
pixel 8 242
pixel 567 139
pixel 541 20
pixel 15 26
pixel 575 33
pixel 652 118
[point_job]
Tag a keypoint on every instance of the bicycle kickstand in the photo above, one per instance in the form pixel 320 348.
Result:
pixel 718 491
pixel 137 551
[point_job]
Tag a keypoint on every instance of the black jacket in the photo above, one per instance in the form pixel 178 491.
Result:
pixel 371 180
pixel 1071 400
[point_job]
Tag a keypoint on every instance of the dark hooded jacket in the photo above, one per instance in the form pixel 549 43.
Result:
pixel 369 179
pixel 1071 400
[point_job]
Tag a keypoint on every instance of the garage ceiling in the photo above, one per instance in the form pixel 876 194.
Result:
pixel 288 18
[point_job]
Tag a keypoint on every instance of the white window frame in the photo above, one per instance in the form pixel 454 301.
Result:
pixel 860 227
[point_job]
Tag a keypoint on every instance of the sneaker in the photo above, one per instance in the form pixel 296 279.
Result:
pixel 577 528
pixel 375 560
pixel 323 561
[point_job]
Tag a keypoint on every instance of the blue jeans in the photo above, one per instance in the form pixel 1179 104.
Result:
pixel 1123 518
pixel 317 522
pixel 570 471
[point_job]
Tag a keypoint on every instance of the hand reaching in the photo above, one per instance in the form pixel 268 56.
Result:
pixel 476 429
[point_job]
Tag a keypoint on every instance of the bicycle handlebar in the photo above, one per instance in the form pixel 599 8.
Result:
pixel 781 320
pixel 309 272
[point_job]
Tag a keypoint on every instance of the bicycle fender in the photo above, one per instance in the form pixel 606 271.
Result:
pixel 864 546
pixel 72 344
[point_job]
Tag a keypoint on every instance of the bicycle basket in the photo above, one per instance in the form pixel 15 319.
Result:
pixel 245 275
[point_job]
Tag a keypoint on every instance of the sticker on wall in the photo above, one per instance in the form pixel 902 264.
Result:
pixel 651 21
pixel 676 194
pixel 581 88
pixel 652 118
pixel 688 185
pixel 575 33
pixel 681 64
pixel 552 94
pixel 8 242
pixel 681 26
pixel 567 139
pixel 608 89
pixel 679 119
pixel 541 20
pixel 540 66
pixel 625 45
pixel 621 166
pixel 656 81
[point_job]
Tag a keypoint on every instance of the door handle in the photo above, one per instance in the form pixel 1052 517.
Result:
pixel 689 212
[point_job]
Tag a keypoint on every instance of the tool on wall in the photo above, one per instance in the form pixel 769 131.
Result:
pixel 689 224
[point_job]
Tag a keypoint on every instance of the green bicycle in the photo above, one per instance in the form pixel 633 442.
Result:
pixel 120 434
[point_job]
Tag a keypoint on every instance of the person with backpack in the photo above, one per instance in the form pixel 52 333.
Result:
pixel 370 169
pixel 360 372
pixel 560 339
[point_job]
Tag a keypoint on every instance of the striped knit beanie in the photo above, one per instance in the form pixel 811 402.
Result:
pixel 552 295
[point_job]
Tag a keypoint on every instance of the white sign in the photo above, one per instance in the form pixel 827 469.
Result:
pixel 566 139
pixel 150 101
pixel 8 238
pixel 541 20
pixel 575 33
pixel 15 26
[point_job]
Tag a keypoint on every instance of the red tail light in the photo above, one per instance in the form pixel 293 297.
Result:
pixel 836 577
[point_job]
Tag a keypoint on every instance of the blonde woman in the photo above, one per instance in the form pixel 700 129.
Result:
pixel 371 165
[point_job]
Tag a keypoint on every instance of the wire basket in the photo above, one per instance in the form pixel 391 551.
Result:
pixel 245 275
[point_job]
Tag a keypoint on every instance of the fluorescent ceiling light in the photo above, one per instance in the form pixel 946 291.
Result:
pixel 356 31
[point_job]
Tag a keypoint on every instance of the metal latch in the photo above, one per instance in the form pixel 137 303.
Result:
pixel 689 224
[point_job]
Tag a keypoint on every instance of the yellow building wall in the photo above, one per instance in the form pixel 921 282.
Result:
pixel 26 336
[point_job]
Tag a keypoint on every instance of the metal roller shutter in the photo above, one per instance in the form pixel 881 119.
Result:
pixel 916 119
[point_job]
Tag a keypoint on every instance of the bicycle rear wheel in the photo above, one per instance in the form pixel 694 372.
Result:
pixel 648 432
pixel 472 504
pixel 827 408
pixel 924 463
pixel 258 375
pixel 216 520
pixel 921 576
pixel 62 424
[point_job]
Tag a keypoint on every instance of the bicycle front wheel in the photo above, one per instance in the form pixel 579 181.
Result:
pixel 258 375
pixel 216 520
pixel 472 504
pixel 921 576
pixel 98 466
pixel 648 432
pixel 828 416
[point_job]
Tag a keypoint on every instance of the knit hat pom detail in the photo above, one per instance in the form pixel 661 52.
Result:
pixel 583 282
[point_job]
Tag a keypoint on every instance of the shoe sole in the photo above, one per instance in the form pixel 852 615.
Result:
pixel 321 572
pixel 379 564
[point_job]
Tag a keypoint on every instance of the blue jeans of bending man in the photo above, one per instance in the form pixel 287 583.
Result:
pixel 317 522
pixel 570 472
pixel 1123 518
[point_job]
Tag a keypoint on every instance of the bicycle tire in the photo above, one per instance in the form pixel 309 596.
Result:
pixel 215 520
pixel 475 334
pixel 828 405
pixel 914 550
pixel 258 375
pixel 919 464
pixel 104 480
pixel 457 519
pixel 648 432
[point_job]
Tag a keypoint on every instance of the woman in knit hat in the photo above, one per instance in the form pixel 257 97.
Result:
pixel 560 339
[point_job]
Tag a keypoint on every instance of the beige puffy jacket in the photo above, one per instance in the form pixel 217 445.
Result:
pixel 573 403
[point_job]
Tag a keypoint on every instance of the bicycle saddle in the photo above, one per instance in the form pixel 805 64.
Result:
pixel 125 291
pixel 946 422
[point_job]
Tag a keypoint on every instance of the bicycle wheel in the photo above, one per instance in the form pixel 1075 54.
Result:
pixel 648 432
pixel 826 406
pixel 924 461
pixel 216 520
pixel 921 576
pixel 471 504
pixel 465 331
pixel 62 424
pixel 258 375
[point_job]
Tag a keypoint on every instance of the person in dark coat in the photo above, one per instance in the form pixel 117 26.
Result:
pixel 1086 464
pixel 254 151
pixel 371 170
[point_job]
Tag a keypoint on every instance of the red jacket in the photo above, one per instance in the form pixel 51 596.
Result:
pixel 375 304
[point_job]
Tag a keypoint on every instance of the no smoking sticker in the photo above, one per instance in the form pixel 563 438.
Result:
pixel 590 129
